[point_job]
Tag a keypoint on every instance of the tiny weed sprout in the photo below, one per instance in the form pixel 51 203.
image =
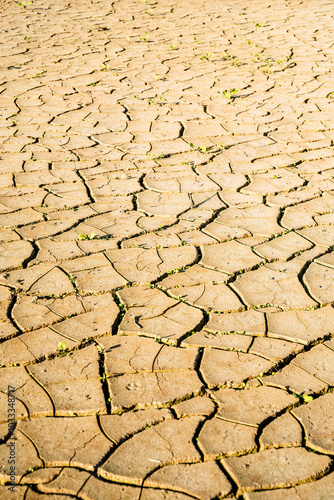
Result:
pixel 206 57
pixel 303 397
pixel 280 61
pixel 201 149
pixel 39 74
pixel 229 93
pixel 61 348
pixel 84 236
pixel 104 67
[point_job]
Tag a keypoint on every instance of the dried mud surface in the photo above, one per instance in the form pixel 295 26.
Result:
pixel 166 250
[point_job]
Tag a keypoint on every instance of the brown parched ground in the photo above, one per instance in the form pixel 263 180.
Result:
pixel 166 258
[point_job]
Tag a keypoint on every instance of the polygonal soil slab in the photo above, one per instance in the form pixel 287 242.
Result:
pixel 154 314
pixel 14 254
pixel 165 443
pixel 73 382
pixel 317 419
pixel 275 286
pixel 229 257
pixel 205 480
pixel 275 468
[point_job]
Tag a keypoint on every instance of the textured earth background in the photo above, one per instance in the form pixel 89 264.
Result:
pixel 167 264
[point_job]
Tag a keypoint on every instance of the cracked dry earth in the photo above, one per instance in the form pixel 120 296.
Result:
pixel 167 264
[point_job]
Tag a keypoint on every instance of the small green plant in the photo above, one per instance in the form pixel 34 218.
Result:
pixel 207 57
pixel 201 149
pixel 144 37
pixel 259 25
pixel 39 74
pixel 104 67
pixel 71 278
pixel 61 348
pixel 229 93
pixel 280 61
pixel 84 236
pixel 303 397
pixel 24 4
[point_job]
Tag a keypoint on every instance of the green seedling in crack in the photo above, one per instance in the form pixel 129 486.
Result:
pixel 61 348
pixel 84 236
pixel 201 149
pixel 104 67
pixel 306 398
pixel 229 93
pixel 24 4
pixel 207 57
pixel 72 278
pixel 39 74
